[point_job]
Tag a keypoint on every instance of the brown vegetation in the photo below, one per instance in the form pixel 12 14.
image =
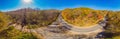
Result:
pixel 82 16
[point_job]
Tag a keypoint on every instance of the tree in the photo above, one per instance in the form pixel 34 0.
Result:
pixel 34 18
pixel 113 24
pixel 4 21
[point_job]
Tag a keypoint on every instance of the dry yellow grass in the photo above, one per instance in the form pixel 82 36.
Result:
pixel 83 17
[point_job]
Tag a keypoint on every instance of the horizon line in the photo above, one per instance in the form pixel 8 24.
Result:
pixel 54 9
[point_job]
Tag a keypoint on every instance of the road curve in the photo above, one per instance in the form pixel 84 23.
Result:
pixel 48 32
pixel 96 28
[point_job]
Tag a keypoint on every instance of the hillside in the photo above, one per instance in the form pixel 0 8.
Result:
pixel 28 16
pixel 83 17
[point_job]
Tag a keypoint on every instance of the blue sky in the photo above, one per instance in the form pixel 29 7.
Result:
pixel 60 4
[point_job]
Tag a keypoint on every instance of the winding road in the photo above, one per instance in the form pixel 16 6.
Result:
pixel 54 32
pixel 81 30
